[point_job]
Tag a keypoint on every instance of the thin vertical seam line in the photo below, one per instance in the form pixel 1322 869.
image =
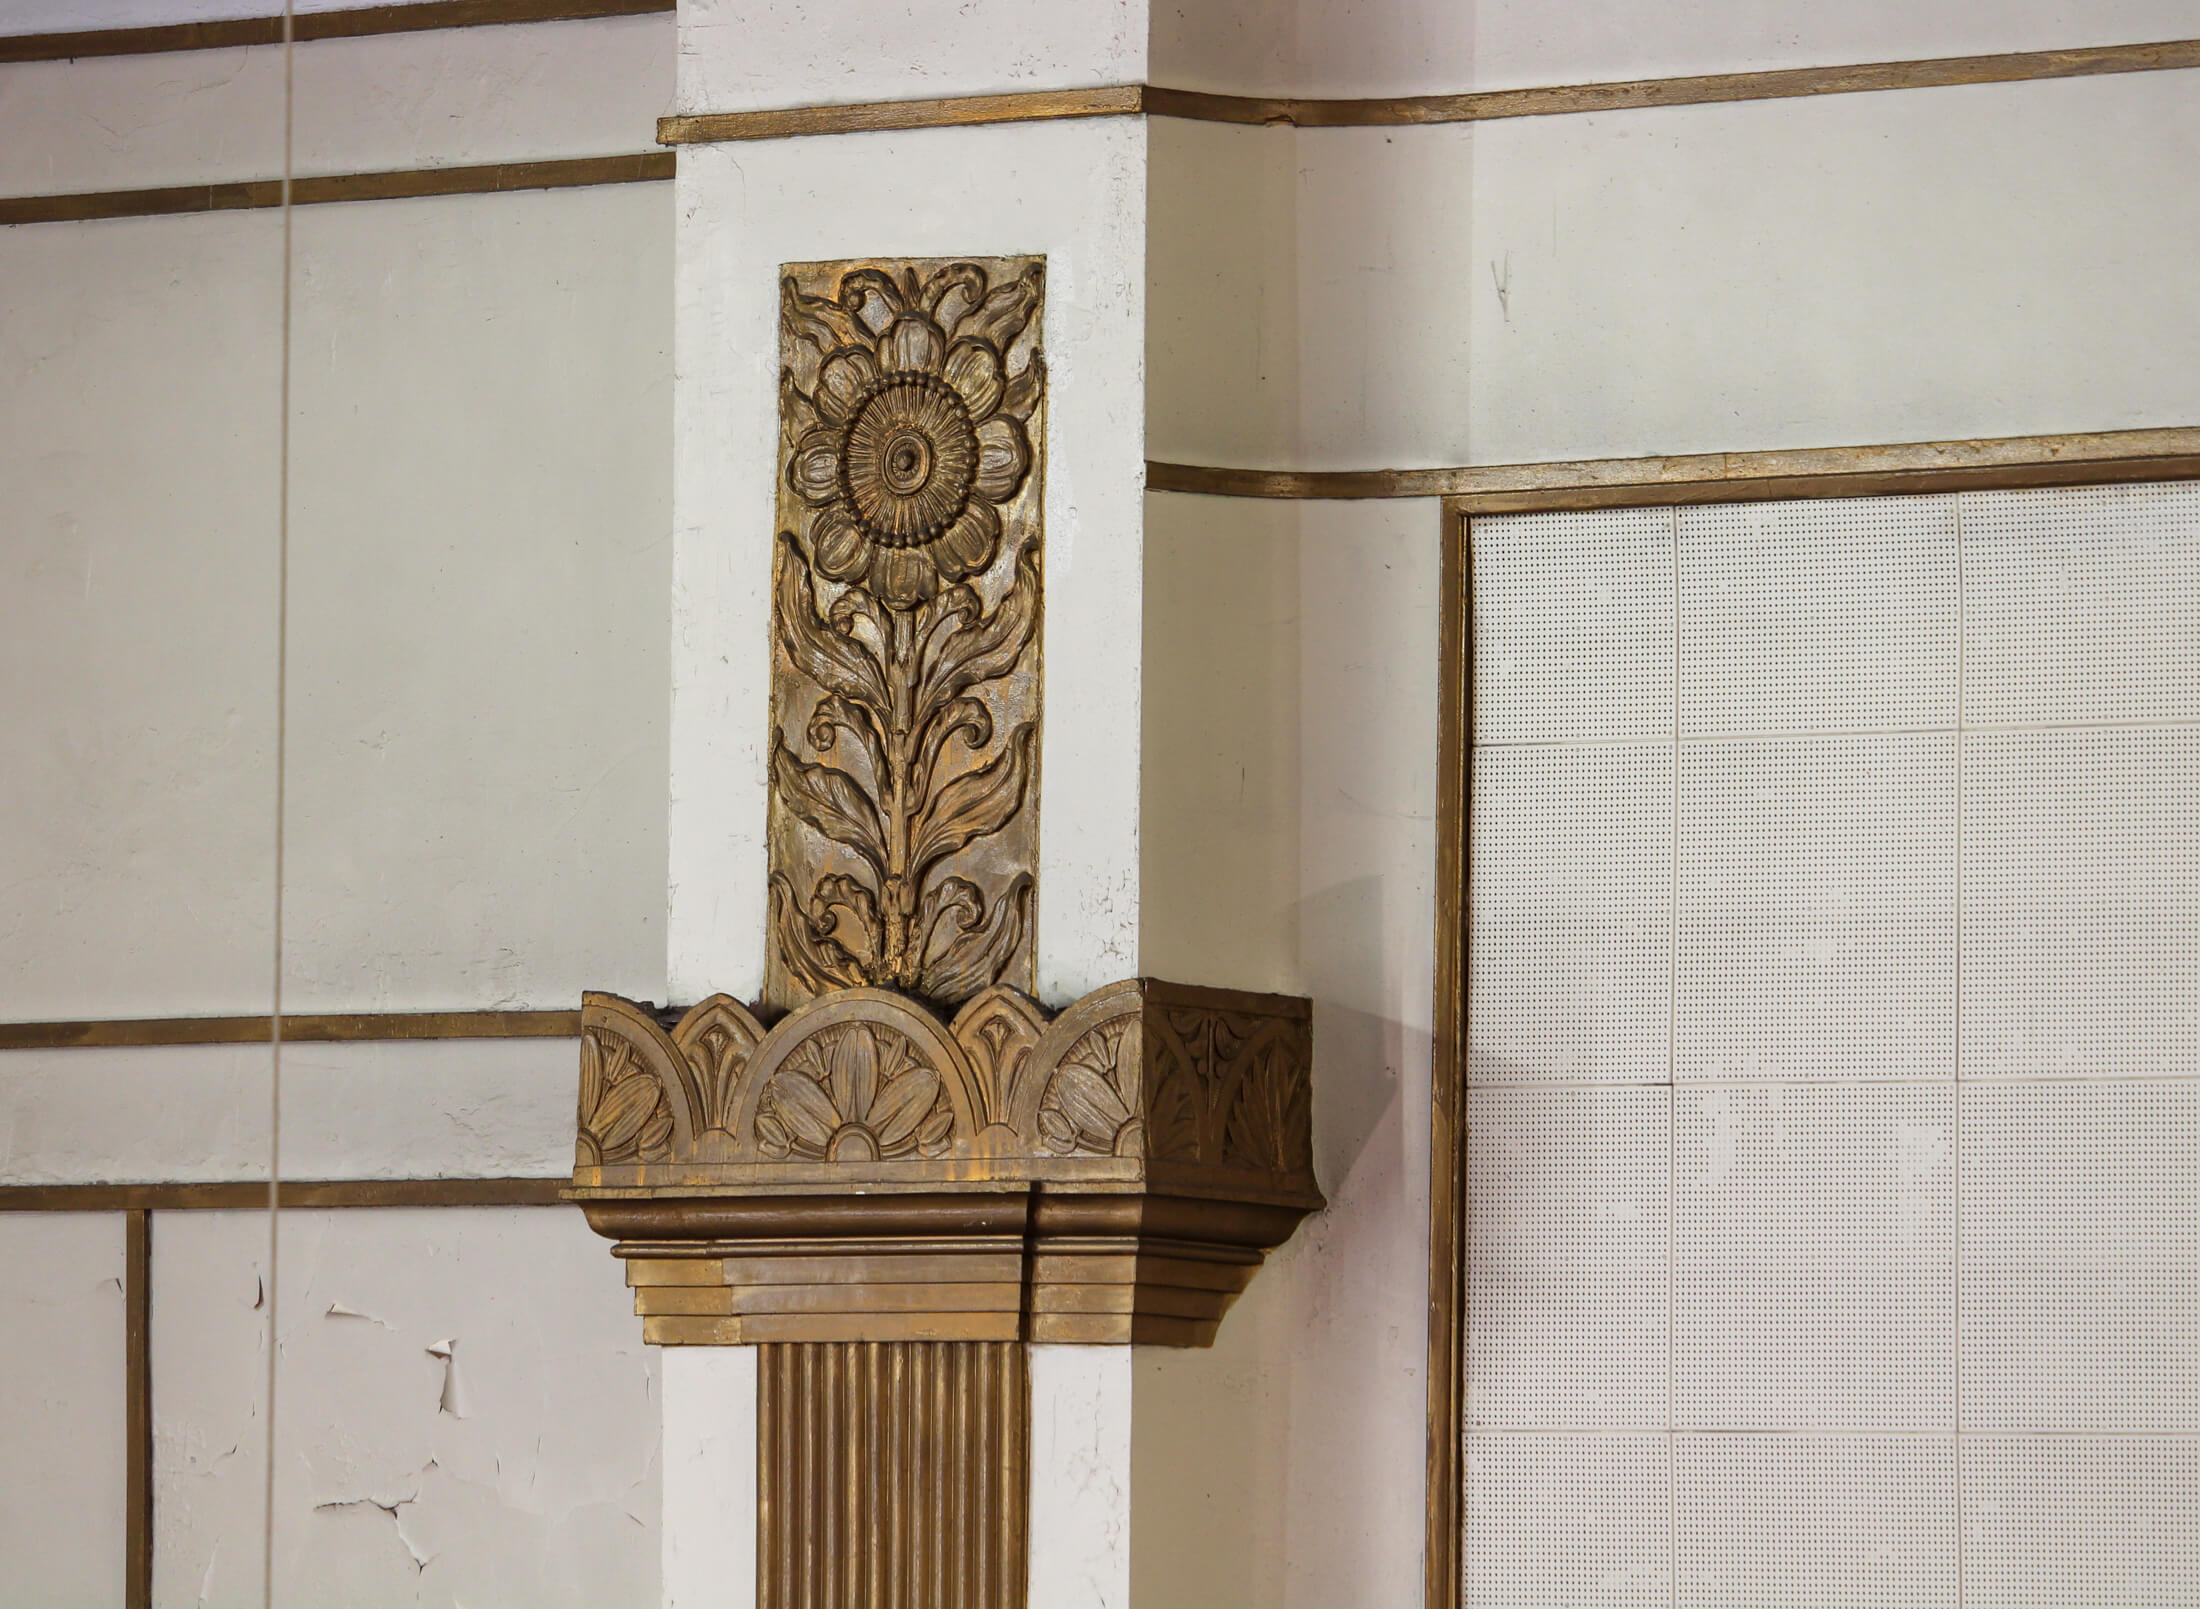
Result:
pixel 282 696
pixel 1672 1086
pixel 1955 1142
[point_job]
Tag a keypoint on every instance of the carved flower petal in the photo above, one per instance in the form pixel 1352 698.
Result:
pixel 902 1105
pixel 804 1109
pixel 1004 456
pixel 853 1064
pixel 771 1136
pixel 914 345
pixel 903 575
pixel 1057 1130
pixel 814 471
pixel 1090 1102
pixel 975 370
pixel 838 546
pixel 969 544
pixel 843 380
pixel 626 1107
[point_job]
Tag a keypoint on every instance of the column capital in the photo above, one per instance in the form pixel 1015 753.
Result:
pixel 863 1170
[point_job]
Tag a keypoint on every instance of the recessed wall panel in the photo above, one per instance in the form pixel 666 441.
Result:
pixel 1567 1229
pixel 1571 914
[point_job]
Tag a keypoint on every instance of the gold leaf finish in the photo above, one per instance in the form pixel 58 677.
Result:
pixel 905 604
pixel 864 1170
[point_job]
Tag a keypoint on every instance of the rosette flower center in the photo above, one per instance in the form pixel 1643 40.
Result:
pixel 909 460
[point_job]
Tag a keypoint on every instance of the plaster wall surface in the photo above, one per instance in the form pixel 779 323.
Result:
pixel 479 565
pixel 138 802
pixel 1082 1513
pixel 438 98
pixel 1922 265
pixel 736 57
pixel 66 16
pixel 427 1109
pixel 709 1548
pixel 439 1442
pixel 1435 47
pixel 61 1407
pixel 1072 191
pixel 1283 1466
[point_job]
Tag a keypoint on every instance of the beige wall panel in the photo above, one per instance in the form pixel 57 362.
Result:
pixel 1989 261
pixel 1219 776
pixel 420 1109
pixel 444 97
pixel 64 16
pixel 1435 47
pixel 1282 1468
pixel 62 1439
pixel 521 1468
pixel 137 616
pixel 480 563
pixel 736 55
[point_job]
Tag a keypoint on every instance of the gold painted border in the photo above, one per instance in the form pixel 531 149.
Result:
pixel 1155 100
pixel 232 1196
pixel 336 1028
pixel 403 184
pixel 310 25
pixel 1926 466
pixel 1445 1551
pixel 137 1410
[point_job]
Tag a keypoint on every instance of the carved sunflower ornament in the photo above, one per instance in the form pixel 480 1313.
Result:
pixel 906 612
pixel 919 432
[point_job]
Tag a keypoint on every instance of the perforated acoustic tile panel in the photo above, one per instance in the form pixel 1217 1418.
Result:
pixel 1834 1149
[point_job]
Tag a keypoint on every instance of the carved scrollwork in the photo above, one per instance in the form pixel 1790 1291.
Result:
pixel 906 604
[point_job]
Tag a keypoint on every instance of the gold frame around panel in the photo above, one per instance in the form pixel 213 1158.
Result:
pixel 495 178
pixel 327 1029
pixel 1977 464
pixel 1155 100
pixel 310 25
pixel 1832 472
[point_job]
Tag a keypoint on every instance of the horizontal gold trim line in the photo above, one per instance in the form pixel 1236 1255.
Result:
pixel 327 1029
pixel 311 25
pixel 294 1193
pixel 1118 100
pixel 1036 106
pixel 1926 466
pixel 252 194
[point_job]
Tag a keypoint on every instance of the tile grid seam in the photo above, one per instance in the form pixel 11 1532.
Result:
pixel 1955 1142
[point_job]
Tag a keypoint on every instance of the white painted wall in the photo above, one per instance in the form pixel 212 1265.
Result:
pixel 709 1542
pixel 61 1406
pixel 523 1468
pixel 1437 47
pixel 443 98
pixel 478 587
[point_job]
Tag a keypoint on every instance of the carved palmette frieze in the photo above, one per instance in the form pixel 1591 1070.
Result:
pixel 906 606
pixel 1134 1082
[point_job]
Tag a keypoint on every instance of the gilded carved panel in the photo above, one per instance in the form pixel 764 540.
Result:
pixel 906 606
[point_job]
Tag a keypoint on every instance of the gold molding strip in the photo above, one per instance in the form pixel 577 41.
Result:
pixel 137 1396
pixel 1154 100
pixel 892 1472
pixel 334 1028
pixel 311 25
pixel 862 117
pixel 1926 466
pixel 1635 94
pixel 1447 1240
pixel 494 178
pixel 296 1193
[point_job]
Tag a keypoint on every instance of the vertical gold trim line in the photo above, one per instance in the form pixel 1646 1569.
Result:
pixel 1445 1556
pixel 137 1462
